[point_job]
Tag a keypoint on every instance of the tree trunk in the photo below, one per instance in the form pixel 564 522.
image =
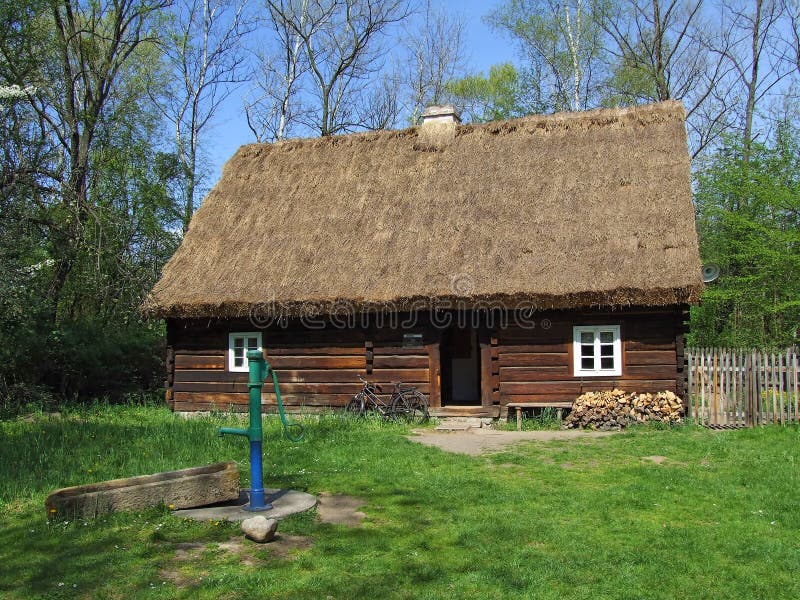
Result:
pixel 752 85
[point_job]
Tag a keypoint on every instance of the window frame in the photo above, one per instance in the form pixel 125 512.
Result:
pixel 232 357
pixel 577 364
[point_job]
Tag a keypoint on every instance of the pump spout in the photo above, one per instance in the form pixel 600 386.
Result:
pixel 233 431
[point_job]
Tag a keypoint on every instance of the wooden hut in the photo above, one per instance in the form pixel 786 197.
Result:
pixel 526 260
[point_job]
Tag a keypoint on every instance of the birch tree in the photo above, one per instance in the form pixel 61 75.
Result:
pixel 206 59
pixel 561 41
pixel 273 107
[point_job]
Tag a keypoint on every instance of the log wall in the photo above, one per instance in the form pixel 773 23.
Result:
pixel 315 367
pixel 320 367
pixel 536 365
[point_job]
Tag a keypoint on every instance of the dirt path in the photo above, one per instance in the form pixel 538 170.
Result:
pixel 478 441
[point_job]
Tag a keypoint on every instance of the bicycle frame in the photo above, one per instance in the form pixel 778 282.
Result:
pixel 371 400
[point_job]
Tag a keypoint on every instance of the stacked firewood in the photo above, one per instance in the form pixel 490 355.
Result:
pixel 615 409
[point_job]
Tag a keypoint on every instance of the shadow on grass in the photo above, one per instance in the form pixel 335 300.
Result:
pixel 57 559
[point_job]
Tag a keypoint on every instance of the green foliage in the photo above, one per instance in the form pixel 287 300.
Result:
pixel 561 44
pixel 87 205
pixel 499 96
pixel 748 215
pixel 90 359
pixel 630 82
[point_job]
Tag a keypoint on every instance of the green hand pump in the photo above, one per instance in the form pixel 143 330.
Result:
pixel 260 369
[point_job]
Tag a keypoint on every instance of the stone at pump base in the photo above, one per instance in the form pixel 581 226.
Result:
pixel 260 529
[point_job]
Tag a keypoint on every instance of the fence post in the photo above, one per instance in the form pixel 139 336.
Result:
pixel 748 388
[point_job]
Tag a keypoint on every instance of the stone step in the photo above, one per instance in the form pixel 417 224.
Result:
pixel 462 423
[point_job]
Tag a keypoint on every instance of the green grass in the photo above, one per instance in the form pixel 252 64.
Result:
pixel 719 518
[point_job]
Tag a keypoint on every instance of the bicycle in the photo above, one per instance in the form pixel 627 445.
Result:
pixel 406 402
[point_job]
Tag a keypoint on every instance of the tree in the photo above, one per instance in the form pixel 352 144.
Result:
pixel 561 41
pixel 435 56
pixel 501 95
pixel 748 205
pixel 74 65
pixel 662 50
pixel 756 51
pixel 86 219
pixel 275 108
pixel 792 9
pixel 205 56
pixel 339 39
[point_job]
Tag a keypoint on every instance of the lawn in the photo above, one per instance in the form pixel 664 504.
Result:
pixel 717 517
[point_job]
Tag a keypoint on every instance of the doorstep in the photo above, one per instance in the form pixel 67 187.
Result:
pixel 487 412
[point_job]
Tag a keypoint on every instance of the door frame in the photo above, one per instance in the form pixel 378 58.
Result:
pixel 488 367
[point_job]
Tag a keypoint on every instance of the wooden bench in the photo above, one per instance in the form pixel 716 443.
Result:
pixel 520 405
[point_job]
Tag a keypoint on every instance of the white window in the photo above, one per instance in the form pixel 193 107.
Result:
pixel 238 345
pixel 597 350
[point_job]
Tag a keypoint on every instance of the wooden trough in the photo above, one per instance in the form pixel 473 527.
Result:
pixel 187 488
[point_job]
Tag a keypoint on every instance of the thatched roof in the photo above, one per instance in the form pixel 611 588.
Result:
pixel 564 210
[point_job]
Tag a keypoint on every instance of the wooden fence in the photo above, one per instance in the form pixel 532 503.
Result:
pixel 742 388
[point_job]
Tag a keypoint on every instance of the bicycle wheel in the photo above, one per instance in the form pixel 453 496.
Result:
pixel 356 405
pixel 411 406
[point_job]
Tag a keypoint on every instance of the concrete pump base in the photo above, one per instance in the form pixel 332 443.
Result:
pixel 284 503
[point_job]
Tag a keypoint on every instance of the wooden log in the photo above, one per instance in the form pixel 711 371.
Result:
pixel 304 350
pixel 213 375
pixel 220 350
pixel 187 361
pixel 532 359
pixel 435 370
pixel 398 351
pixel 211 387
pixel 650 357
pixel 486 367
pixel 650 344
pixel 510 374
pixel 544 387
pixel 397 362
pixel 650 372
pixel 318 362
pixel 543 348
pixel 218 398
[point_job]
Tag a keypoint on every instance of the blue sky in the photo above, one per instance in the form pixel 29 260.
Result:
pixel 484 48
